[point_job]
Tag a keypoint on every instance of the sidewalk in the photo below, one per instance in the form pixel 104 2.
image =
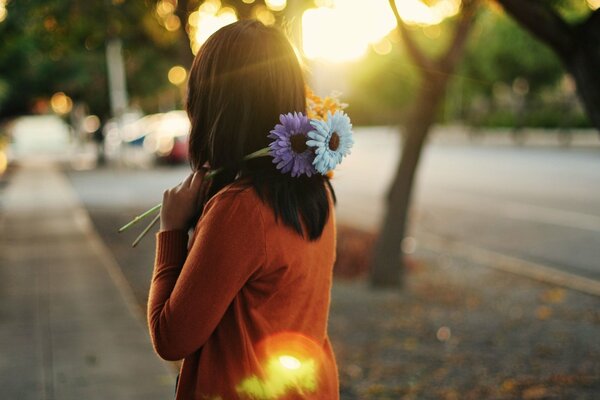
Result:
pixel 68 326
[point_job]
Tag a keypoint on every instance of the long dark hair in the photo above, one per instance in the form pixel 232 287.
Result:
pixel 244 76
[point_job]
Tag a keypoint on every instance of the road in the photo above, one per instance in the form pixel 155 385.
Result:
pixel 540 204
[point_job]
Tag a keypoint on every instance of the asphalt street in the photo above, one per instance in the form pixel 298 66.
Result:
pixel 540 204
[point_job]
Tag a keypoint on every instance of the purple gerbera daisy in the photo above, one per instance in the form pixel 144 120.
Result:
pixel 289 149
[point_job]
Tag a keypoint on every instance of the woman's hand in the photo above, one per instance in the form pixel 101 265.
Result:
pixel 180 203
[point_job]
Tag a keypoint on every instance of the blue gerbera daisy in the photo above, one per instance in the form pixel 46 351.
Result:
pixel 332 140
pixel 289 149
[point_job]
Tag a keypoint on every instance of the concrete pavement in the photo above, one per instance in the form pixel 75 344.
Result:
pixel 69 328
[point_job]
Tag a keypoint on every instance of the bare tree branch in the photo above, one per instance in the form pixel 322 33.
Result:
pixel 542 22
pixel 455 50
pixel 417 55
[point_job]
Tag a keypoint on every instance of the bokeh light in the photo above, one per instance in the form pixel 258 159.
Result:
pixel 91 123
pixel 172 23
pixel 209 18
pixel 177 75
pixel 341 31
pixel 443 334
pixel 263 14
pixel 3 162
pixel 164 8
pixel 276 5
pixel 383 47
pixel 409 245
pixel 61 103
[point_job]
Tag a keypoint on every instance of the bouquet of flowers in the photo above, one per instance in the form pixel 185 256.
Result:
pixel 302 145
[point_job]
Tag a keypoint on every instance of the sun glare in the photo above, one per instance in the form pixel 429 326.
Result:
pixel 343 30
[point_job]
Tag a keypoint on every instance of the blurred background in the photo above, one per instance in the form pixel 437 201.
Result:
pixel 468 212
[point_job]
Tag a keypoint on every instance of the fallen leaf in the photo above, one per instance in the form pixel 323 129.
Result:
pixel 554 296
pixel 534 392
pixel 508 385
pixel 543 312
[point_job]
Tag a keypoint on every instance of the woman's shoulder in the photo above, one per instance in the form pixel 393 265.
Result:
pixel 235 188
pixel 238 197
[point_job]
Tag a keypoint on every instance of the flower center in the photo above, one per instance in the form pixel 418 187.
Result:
pixel 334 142
pixel 298 142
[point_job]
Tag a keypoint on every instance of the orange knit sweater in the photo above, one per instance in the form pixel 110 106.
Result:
pixel 246 306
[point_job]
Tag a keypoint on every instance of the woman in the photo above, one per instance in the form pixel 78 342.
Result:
pixel 245 305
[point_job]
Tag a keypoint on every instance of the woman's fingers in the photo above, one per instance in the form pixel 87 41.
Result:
pixel 186 183
pixel 197 180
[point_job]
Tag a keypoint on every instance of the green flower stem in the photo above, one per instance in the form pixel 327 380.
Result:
pixel 258 153
pixel 145 231
pixel 209 175
pixel 140 217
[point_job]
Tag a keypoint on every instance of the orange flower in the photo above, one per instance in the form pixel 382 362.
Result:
pixel 318 107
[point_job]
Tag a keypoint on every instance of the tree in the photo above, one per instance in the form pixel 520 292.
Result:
pixel 576 44
pixel 434 78
pixel 52 46
pixel 48 47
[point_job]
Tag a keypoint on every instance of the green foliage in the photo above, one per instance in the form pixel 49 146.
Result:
pixel 500 51
pixel 59 45
pixel 384 86
pixel 573 11
pixel 546 116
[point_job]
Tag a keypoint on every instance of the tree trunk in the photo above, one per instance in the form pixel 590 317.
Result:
pixel 584 65
pixel 388 263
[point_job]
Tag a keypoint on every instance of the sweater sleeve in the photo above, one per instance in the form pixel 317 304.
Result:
pixel 189 296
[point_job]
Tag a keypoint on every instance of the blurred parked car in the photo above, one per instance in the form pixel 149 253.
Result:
pixel 168 137
pixel 154 138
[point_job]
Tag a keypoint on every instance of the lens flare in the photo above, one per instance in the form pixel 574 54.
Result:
pixel 290 364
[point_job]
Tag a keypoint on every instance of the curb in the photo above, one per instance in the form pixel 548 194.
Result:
pixel 513 265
